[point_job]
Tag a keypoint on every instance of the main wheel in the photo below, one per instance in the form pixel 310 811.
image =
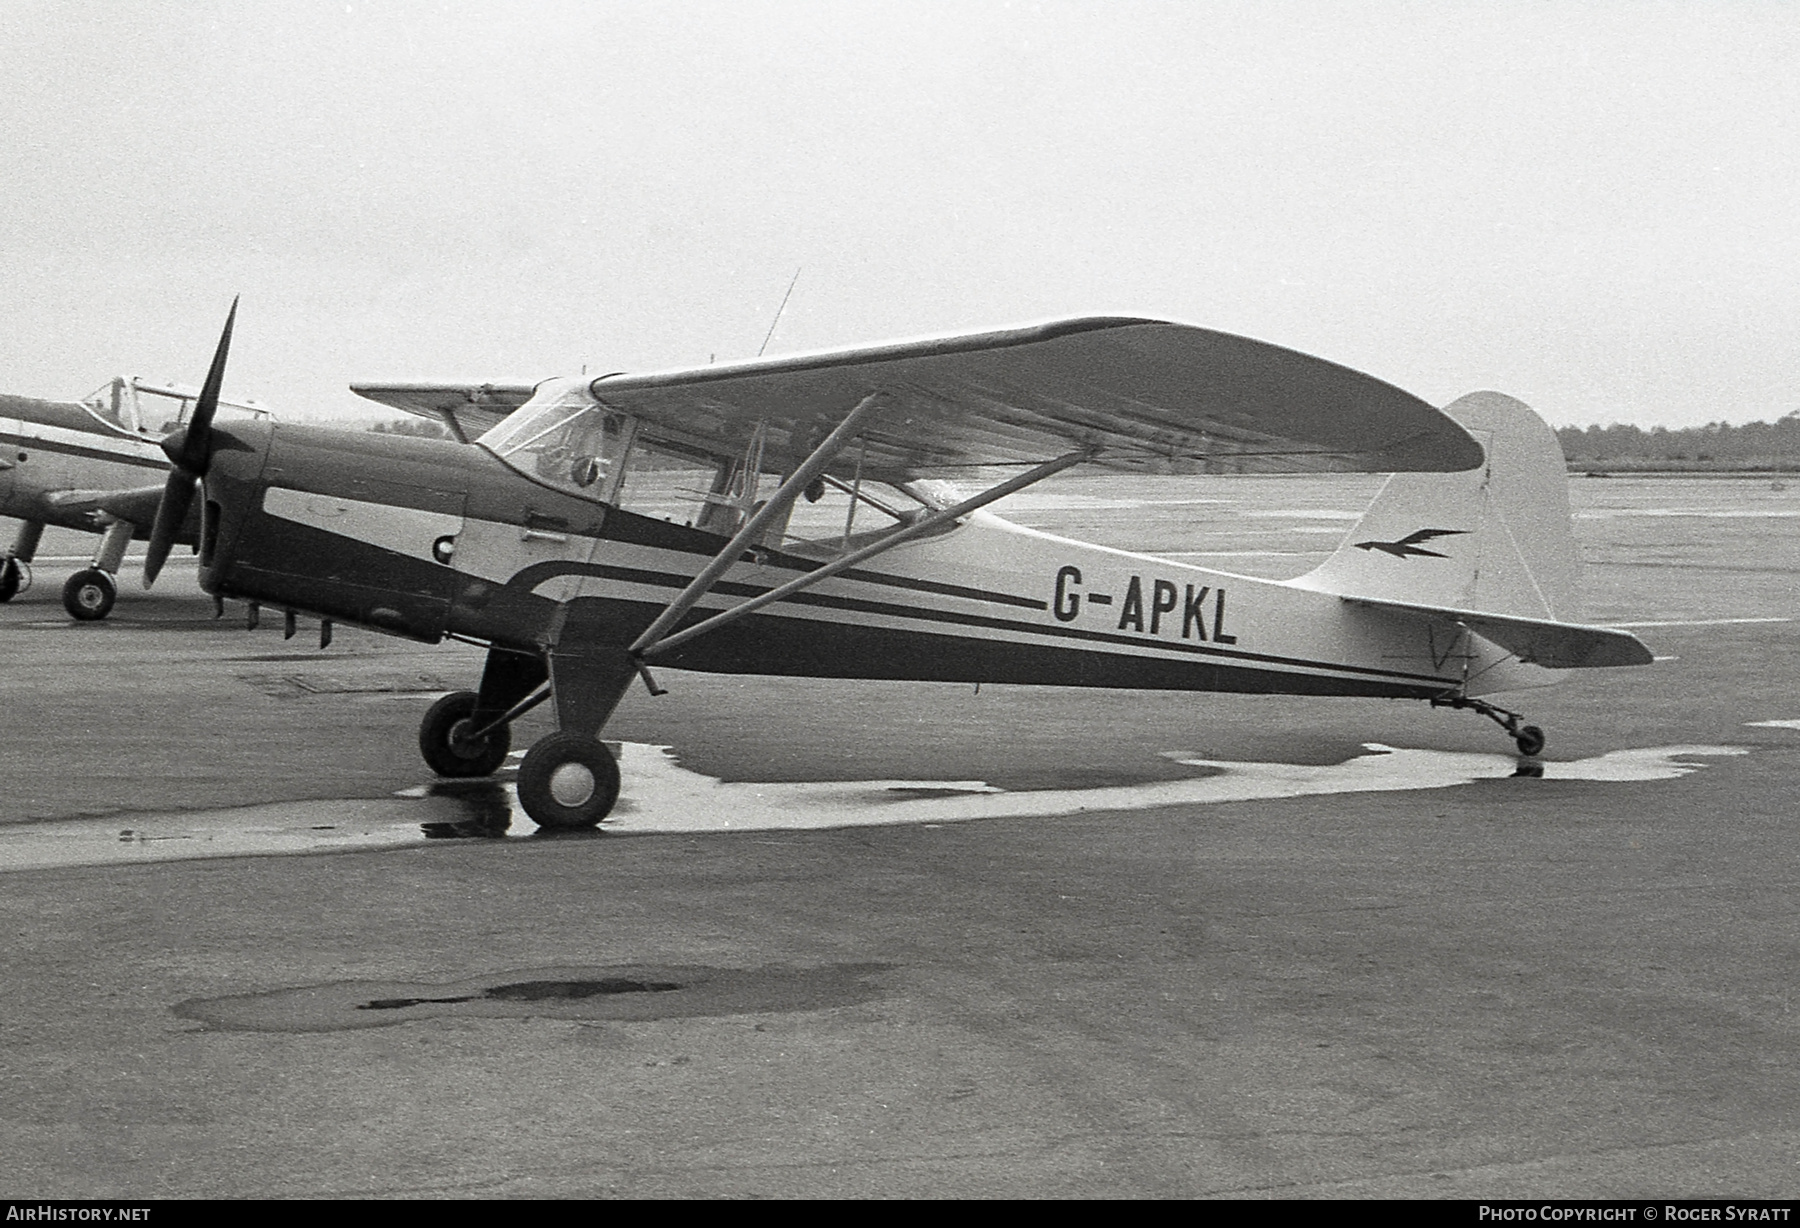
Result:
pixel 12 572
pixel 89 594
pixel 1530 739
pixel 445 743
pixel 568 781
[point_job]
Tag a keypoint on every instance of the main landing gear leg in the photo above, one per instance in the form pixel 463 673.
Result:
pixel 469 733
pixel 569 780
pixel 89 594
pixel 1529 738
pixel 15 565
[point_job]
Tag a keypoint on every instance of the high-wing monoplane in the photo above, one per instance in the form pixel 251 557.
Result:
pixel 788 516
pixel 92 465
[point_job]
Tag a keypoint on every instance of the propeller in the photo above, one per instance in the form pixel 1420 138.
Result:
pixel 190 450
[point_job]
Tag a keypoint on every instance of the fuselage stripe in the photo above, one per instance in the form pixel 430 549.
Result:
pixel 791 562
pixel 923 586
pixel 134 458
pixel 671 580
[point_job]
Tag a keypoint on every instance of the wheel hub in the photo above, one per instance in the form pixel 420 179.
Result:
pixel 462 743
pixel 572 784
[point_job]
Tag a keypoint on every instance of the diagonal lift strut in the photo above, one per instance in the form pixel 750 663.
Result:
pixel 778 503
pixel 649 645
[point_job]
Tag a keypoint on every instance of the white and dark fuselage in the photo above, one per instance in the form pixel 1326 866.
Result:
pixel 427 538
pixel 67 465
pixel 548 539
pixel 52 448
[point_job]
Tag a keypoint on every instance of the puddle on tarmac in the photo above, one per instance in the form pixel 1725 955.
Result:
pixel 661 796
pixel 623 992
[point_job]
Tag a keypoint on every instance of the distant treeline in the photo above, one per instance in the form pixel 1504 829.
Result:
pixel 427 427
pixel 1718 445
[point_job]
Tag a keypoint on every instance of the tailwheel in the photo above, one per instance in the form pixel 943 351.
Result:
pixel 1528 738
pixel 568 781
pixel 89 594
pixel 14 578
pixel 447 741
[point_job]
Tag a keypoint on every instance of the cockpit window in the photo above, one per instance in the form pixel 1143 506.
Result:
pixel 136 406
pixel 114 405
pixel 563 437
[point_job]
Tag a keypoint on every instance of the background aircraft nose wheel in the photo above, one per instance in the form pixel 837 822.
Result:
pixel 445 743
pixel 89 594
pixel 568 781
pixel 14 577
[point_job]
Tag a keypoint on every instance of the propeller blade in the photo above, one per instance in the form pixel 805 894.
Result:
pixel 190 450
pixel 194 447
pixel 178 494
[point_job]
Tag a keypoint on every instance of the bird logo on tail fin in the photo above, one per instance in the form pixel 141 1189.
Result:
pixel 1409 545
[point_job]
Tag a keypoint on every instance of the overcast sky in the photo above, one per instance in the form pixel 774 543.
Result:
pixel 1593 207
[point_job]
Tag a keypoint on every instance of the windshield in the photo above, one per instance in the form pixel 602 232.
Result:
pixel 566 439
pixel 562 437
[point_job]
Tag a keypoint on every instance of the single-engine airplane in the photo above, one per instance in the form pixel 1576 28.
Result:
pixel 84 465
pixel 779 517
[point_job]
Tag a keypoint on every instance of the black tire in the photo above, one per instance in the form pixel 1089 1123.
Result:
pixel 568 781
pixel 89 595
pixel 1530 740
pixel 445 746
pixel 10 574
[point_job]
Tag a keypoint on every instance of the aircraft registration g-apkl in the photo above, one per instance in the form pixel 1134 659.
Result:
pixel 84 465
pixel 779 517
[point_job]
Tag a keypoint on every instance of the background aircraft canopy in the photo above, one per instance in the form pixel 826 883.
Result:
pixel 121 405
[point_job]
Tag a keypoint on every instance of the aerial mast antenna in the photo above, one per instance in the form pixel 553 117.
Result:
pixel 779 310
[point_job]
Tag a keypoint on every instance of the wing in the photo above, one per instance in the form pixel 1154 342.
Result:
pixel 1149 396
pixel 468 410
pixel 137 505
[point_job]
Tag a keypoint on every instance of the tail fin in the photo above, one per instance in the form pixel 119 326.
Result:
pixel 1495 538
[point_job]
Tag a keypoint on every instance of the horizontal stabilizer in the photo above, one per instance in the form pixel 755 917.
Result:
pixel 1535 641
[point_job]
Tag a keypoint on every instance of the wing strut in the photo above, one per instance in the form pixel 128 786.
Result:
pixel 648 646
pixel 778 504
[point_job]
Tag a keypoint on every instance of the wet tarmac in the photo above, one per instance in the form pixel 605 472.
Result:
pixel 631 992
pixel 660 797
pixel 925 941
